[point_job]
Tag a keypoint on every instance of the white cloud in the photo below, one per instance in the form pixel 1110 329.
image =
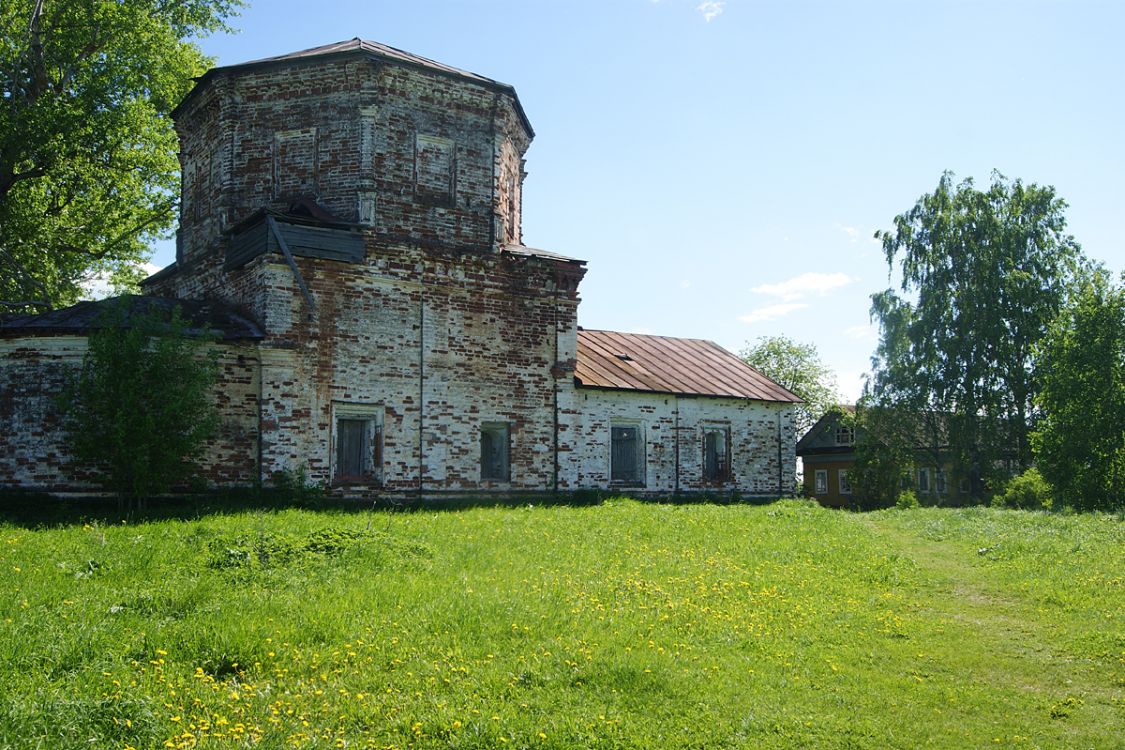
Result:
pixel 710 9
pixel 864 332
pixel 685 284
pixel 802 286
pixel 771 312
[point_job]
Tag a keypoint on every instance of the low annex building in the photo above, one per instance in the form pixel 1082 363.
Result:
pixel 350 224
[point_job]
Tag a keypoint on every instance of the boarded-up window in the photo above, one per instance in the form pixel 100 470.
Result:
pixel 434 169
pixel 351 448
pixel 295 163
pixel 716 454
pixel 359 446
pixel 494 452
pixel 627 462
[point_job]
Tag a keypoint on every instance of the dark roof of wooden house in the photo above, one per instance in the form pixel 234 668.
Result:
pixel 818 441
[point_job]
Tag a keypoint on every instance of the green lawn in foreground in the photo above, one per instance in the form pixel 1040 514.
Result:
pixel 623 625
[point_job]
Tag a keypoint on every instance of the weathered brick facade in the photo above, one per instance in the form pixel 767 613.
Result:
pixel 672 428
pixel 412 343
pixel 33 451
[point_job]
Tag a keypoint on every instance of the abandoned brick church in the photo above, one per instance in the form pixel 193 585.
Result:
pixel 350 225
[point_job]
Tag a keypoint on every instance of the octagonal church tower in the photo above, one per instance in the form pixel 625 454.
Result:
pixel 364 205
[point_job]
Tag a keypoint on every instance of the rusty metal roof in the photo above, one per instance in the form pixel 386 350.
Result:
pixel 371 49
pixel 662 364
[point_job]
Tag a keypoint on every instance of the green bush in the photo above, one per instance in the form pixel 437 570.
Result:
pixel 139 409
pixel 1029 491
pixel 906 500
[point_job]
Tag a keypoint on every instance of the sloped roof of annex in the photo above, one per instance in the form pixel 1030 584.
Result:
pixel 664 364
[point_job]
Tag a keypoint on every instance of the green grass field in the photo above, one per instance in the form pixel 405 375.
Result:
pixel 622 625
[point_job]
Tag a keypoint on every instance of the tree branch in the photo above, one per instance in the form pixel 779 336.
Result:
pixel 85 53
pixel 39 80
pixel 37 303
pixel 7 181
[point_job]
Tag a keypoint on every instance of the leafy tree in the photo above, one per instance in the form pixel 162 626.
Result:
pixel 139 409
pixel 886 449
pixel 88 167
pixel 1080 442
pixel 982 275
pixel 797 367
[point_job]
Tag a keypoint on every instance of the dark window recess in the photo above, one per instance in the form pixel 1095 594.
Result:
pixel 494 452
pixel 357 448
pixel 626 455
pixel 716 455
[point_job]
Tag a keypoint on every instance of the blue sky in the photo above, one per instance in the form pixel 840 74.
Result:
pixel 723 165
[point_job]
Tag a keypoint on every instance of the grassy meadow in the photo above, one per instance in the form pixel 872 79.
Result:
pixel 621 625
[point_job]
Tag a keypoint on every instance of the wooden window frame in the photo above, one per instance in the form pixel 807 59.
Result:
pixel 820 482
pixel 723 472
pixel 924 472
pixel 371 417
pixel 640 463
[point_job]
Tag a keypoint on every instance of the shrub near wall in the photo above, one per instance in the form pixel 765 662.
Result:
pixel 138 410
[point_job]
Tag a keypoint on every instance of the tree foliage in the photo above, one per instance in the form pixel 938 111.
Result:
pixel 139 410
pixel 88 167
pixel 983 272
pixel 796 366
pixel 1026 491
pixel 1080 442
pixel 886 449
